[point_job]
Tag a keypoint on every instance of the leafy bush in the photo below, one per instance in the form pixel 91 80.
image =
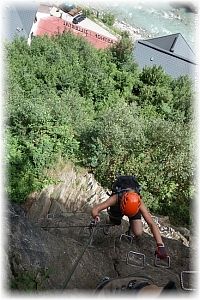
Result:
pixel 172 98
pixel 67 100
pixel 108 19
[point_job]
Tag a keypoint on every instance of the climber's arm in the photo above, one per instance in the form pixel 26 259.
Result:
pixel 101 206
pixel 153 227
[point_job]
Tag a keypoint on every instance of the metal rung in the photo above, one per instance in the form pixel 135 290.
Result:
pixel 157 259
pixel 129 237
pixel 140 255
pixel 182 280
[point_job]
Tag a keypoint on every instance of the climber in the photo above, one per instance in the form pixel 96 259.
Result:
pixel 126 200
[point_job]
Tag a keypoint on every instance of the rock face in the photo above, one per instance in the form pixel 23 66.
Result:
pixel 54 254
pixel 44 258
pixel 52 247
pixel 76 191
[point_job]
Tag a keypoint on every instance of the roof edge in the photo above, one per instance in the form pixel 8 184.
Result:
pixel 146 43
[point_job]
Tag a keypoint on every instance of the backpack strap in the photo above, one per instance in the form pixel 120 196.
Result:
pixel 123 183
pixel 120 193
pixel 127 190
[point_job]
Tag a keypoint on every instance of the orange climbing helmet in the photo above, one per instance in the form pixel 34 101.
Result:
pixel 130 203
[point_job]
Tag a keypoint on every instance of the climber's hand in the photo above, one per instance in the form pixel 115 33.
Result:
pixel 97 219
pixel 161 251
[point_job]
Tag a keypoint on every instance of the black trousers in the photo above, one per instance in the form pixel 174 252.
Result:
pixel 116 216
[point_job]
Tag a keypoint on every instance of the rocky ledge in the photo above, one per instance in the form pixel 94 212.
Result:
pixel 50 245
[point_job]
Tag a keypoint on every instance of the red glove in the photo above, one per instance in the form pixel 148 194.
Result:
pixel 161 251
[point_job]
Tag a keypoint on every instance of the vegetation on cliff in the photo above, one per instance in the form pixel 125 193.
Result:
pixel 67 100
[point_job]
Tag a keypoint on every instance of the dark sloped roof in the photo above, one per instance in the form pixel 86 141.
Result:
pixel 174 44
pixel 171 52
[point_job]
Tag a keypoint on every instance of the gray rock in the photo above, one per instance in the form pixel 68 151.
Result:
pixel 52 254
pixel 50 247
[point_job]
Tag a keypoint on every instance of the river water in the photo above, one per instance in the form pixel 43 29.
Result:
pixel 157 19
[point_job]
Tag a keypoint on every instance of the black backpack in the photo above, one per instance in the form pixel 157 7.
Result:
pixel 125 183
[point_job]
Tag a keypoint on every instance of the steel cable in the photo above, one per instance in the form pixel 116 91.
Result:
pixel 80 256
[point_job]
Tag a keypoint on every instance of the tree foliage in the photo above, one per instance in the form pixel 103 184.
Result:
pixel 67 100
pixel 108 19
pixel 122 50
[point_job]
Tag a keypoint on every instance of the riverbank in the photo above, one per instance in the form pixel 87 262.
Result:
pixel 151 21
pixel 134 32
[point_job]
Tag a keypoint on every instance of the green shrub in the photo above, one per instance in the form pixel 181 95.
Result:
pixel 66 100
